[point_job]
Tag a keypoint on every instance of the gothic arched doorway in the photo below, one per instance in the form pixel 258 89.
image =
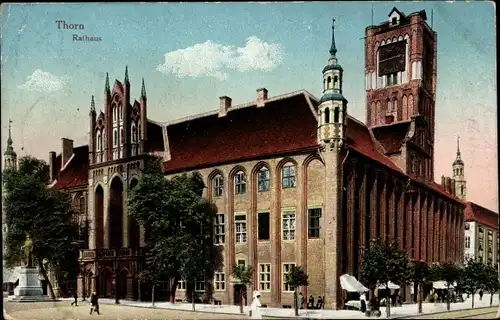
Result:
pixel 116 214
pixel 133 226
pixel 99 213
pixel 121 284
pixel 105 283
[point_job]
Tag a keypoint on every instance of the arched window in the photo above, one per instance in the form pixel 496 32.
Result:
pixel 218 185
pixel 82 205
pixel 336 115
pixel 327 115
pixel 328 82
pixel 336 82
pixel 240 182
pixel 114 112
pixel 115 137
pixel 134 132
pixel 288 176
pixel 263 179
pixel 99 140
pixel 120 112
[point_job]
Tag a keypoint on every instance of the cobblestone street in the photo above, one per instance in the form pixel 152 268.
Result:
pixel 63 310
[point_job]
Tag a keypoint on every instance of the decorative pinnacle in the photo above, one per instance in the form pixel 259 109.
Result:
pixel 333 48
pixel 143 89
pixel 107 83
pixel 126 73
pixel 9 140
pixel 9 150
pixel 92 105
pixel 458 147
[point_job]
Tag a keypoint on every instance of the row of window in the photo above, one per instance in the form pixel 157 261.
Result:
pixel 118 139
pixel 288 175
pixel 219 281
pixel 263 224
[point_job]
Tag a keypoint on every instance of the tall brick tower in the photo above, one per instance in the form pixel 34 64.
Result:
pixel 400 69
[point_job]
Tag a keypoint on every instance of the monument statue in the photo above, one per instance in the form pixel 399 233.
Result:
pixel 28 252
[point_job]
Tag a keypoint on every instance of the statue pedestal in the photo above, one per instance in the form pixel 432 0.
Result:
pixel 29 288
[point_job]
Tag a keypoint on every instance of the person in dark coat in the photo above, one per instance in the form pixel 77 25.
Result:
pixel 94 303
pixel 310 304
pixel 75 296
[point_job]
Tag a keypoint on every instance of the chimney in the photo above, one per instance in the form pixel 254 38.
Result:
pixel 52 165
pixel 443 181
pixel 67 150
pixel 261 97
pixel 225 104
pixel 448 185
pixel 452 187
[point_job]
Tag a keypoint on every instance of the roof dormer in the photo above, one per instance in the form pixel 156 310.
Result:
pixel 395 17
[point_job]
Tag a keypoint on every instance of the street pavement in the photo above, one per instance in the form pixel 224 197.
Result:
pixel 62 310
pixel 480 313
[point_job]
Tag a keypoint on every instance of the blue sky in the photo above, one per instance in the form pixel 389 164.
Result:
pixel 232 49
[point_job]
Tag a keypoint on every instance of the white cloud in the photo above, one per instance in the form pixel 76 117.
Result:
pixel 214 60
pixel 42 81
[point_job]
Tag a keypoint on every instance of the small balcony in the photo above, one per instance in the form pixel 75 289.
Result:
pixel 110 254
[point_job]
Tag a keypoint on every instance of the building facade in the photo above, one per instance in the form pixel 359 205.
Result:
pixel 296 179
pixel 481 234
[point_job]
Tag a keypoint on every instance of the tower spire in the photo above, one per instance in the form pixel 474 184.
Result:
pixel 459 158
pixel 143 89
pixel 333 48
pixel 92 105
pixel 126 74
pixel 107 83
pixel 9 152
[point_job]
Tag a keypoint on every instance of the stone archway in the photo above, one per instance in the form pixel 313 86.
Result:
pixel 133 226
pixel 106 283
pixel 116 213
pixel 121 284
pixel 99 217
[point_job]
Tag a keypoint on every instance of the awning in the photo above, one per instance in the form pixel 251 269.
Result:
pixel 441 285
pixel 390 285
pixel 351 284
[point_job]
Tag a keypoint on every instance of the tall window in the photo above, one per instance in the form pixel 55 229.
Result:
pixel 263 224
pixel 288 176
pixel 133 130
pixel 263 179
pixel 219 281
pixel 115 137
pixel 336 115
pixel 220 229
pixel 327 115
pixel 286 269
pixel 467 242
pixel 288 225
pixel 218 185
pixel 314 215
pixel 240 182
pixel 199 285
pixel 241 228
pixel 265 277
pixel 467 226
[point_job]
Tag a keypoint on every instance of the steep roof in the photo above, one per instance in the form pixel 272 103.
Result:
pixel 75 173
pixel 282 126
pixel 391 137
pixel 477 213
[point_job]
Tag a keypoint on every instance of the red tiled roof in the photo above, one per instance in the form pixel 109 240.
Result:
pixel 474 212
pixel 391 137
pixel 75 174
pixel 281 126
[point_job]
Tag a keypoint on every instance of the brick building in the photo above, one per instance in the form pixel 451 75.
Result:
pixel 308 187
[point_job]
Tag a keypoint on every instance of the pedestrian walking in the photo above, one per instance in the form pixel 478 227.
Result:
pixel 94 303
pixel 255 312
pixel 75 296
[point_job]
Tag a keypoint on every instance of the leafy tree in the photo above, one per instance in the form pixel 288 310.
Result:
pixel 383 263
pixel 296 278
pixel 45 215
pixel 449 272
pixel 181 222
pixel 420 275
pixel 243 275
pixel 490 281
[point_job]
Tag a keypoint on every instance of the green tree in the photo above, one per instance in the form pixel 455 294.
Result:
pixel 46 215
pixel 490 281
pixel 243 276
pixel 420 275
pixel 180 221
pixel 296 278
pixel 449 272
pixel 384 262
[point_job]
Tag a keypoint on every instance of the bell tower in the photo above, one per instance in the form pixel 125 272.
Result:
pixel 459 175
pixel 10 156
pixel 332 115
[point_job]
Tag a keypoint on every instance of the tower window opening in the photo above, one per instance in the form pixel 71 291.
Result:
pixel 462 190
pixel 336 115
pixel 328 82
pixel 394 21
pixel 327 115
pixel 336 82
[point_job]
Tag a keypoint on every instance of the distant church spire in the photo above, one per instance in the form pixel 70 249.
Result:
pixel 92 105
pixel 143 89
pixel 10 158
pixel 458 160
pixel 126 74
pixel 333 48
pixel 107 89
